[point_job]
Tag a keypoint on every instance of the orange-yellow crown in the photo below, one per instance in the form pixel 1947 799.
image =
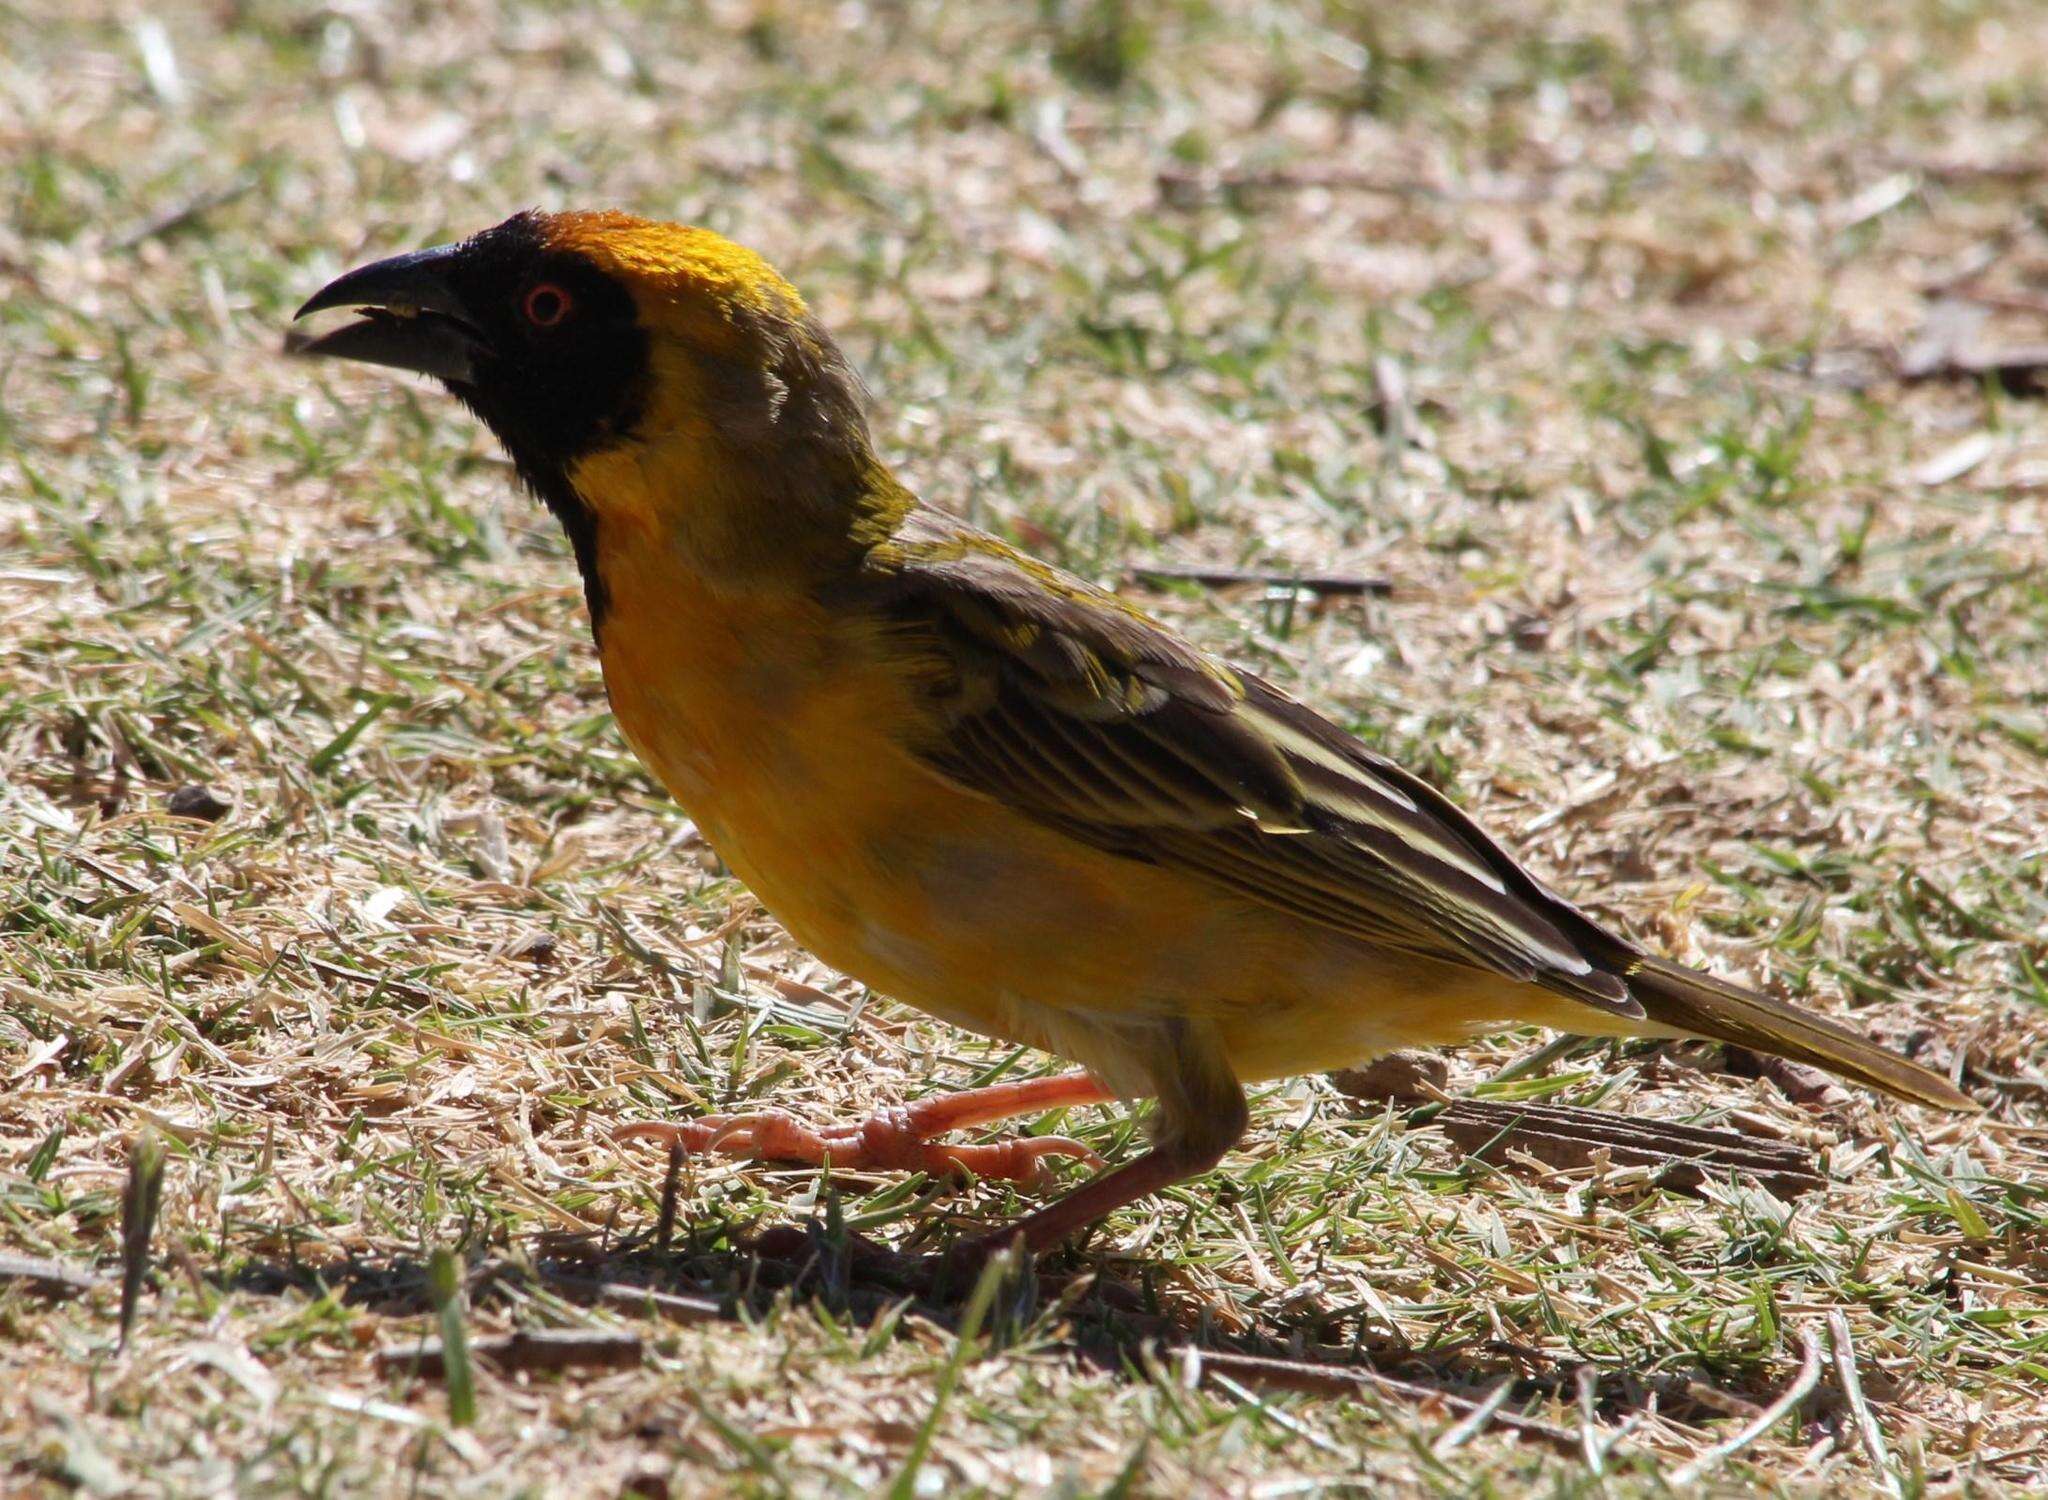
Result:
pixel 672 267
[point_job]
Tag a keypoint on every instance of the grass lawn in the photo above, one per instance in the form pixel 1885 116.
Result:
pixel 1575 323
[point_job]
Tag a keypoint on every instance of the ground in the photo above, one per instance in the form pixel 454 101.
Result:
pixel 1576 324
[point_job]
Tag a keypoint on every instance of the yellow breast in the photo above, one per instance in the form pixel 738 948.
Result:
pixel 780 728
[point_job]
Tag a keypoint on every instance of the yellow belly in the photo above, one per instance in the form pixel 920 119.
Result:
pixel 782 739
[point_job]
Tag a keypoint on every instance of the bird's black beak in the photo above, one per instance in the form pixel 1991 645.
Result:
pixel 413 317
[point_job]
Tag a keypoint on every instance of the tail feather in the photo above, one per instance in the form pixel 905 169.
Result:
pixel 1700 1005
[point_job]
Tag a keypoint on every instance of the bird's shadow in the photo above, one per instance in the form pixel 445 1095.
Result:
pixel 1106 1313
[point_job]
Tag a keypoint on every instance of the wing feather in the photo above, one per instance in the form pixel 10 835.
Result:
pixel 1061 700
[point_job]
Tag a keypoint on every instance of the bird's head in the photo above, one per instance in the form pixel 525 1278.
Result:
pixel 642 374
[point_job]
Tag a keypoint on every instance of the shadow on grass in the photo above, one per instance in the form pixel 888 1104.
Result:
pixel 1110 1316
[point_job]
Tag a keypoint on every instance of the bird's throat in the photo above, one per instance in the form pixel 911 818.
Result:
pixel 551 485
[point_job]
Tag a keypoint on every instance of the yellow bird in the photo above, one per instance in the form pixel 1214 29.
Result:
pixel 971 780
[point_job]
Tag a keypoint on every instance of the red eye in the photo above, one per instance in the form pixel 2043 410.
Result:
pixel 546 305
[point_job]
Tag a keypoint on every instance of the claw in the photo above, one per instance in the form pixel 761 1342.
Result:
pixel 894 1139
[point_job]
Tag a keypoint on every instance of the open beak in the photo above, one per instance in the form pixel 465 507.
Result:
pixel 412 317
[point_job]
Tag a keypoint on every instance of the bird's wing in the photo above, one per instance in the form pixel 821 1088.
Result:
pixel 1064 702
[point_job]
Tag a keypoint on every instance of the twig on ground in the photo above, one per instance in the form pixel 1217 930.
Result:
pixel 624 1296
pixel 1340 1380
pixel 1183 184
pixel 1336 585
pixel 1561 1136
pixel 535 1349
pixel 189 211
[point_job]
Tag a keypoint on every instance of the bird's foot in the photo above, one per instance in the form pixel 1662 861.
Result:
pixel 891 1140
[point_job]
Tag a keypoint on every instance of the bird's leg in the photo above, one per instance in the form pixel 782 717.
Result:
pixel 899 1139
pixel 1202 1114
pixel 1158 1168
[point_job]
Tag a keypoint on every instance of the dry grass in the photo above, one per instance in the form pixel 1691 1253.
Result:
pixel 1572 319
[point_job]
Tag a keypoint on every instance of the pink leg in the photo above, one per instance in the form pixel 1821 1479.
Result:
pixel 1159 1168
pixel 899 1139
pixel 1202 1114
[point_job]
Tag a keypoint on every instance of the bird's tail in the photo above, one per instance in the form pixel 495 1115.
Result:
pixel 1700 1005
